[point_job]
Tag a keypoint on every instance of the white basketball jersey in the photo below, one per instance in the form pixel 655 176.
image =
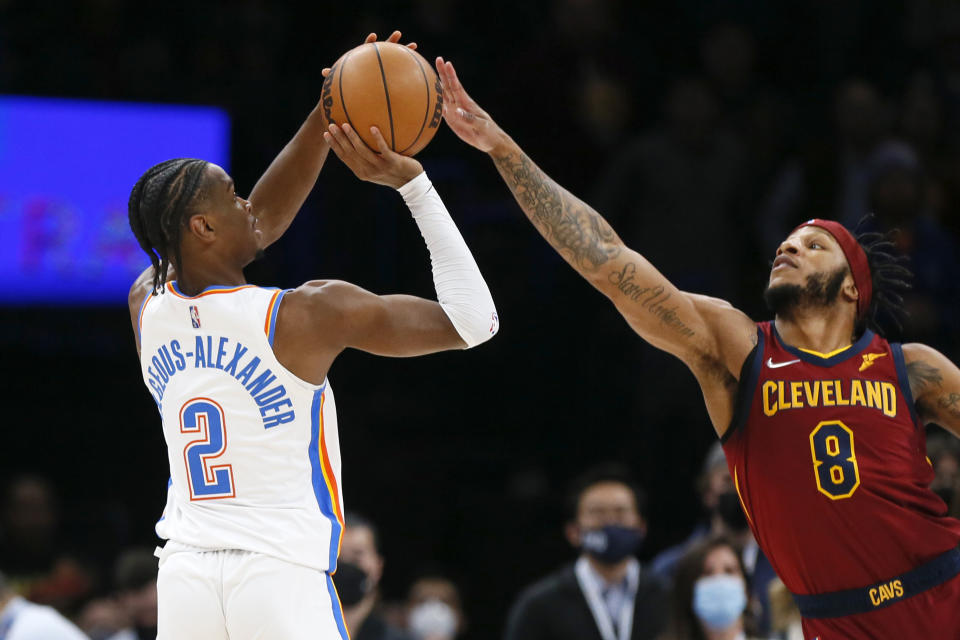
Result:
pixel 253 450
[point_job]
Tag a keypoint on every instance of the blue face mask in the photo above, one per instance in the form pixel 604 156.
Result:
pixel 719 600
pixel 612 543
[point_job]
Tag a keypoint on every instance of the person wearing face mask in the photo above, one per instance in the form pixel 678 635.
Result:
pixel 434 609
pixel 708 600
pixel 604 595
pixel 358 574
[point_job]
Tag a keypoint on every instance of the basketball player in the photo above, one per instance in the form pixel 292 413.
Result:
pixel 821 418
pixel 239 374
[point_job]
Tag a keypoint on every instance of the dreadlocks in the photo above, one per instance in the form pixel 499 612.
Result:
pixel 160 204
pixel 890 280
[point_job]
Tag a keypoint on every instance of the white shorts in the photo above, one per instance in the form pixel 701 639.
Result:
pixel 241 595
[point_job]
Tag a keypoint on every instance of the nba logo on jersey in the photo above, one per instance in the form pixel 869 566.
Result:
pixel 194 317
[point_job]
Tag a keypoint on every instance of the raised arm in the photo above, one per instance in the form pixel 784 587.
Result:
pixel 283 187
pixel 935 386
pixel 320 319
pixel 709 335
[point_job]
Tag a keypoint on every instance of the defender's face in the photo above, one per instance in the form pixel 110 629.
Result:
pixel 807 251
pixel 234 216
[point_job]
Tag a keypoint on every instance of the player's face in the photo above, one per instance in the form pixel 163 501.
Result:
pixel 806 252
pixel 721 560
pixel 607 503
pixel 234 216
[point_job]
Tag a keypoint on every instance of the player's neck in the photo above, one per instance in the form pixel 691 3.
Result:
pixel 822 330
pixel 611 573
pixel 197 278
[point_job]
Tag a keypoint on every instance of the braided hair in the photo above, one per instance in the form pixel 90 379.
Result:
pixel 160 204
pixel 890 277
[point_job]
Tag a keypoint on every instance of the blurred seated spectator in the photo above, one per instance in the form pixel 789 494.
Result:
pixel 434 610
pixel 943 451
pixel 713 481
pixel 359 570
pixel 604 595
pixel 898 201
pixel 677 189
pixel 32 551
pixel 785 619
pixel 23 620
pixel 135 581
pixel 830 178
pixel 709 598
pixel 724 517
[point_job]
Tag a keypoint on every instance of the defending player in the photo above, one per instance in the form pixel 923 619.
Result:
pixel 821 418
pixel 239 373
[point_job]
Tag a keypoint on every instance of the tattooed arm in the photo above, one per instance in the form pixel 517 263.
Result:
pixel 935 385
pixel 709 335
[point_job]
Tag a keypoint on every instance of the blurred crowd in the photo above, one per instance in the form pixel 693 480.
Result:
pixel 704 131
pixel 713 584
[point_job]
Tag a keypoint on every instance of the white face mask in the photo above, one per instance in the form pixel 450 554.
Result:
pixel 432 618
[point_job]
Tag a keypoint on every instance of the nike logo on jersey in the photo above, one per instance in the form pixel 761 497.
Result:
pixel 776 365
pixel 869 359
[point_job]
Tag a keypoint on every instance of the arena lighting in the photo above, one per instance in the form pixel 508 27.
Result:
pixel 66 170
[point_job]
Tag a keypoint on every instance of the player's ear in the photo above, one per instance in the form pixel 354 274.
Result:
pixel 849 289
pixel 572 533
pixel 199 225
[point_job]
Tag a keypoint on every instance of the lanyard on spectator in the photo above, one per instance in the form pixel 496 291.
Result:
pixel 598 607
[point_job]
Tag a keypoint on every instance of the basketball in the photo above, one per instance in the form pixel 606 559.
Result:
pixel 389 86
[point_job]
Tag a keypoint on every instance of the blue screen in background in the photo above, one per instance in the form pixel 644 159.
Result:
pixel 66 171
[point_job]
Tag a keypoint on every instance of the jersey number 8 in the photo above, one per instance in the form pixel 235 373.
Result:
pixel 834 459
pixel 207 482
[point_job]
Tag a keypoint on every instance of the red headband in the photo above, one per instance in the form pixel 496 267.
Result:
pixel 856 258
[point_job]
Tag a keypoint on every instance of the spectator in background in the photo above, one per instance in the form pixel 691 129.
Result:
pixel 723 516
pixel 943 452
pixel 785 619
pixel 135 581
pixel 358 575
pixel 681 180
pixel 899 201
pixel 708 600
pixel 434 610
pixel 23 620
pixel 604 595
pixel 32 551
pixel 713 481
pixel 828 180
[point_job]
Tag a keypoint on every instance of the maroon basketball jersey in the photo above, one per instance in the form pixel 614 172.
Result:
pixel 829 459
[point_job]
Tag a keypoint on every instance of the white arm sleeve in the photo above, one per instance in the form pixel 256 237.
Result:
pixel 461 290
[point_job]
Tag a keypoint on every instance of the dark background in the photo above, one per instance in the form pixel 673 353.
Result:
pixel 462 459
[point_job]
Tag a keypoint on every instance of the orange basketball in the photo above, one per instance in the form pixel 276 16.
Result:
pixel 389 86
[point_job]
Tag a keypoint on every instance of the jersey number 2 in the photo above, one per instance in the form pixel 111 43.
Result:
pixel 834 459
pixel 207 481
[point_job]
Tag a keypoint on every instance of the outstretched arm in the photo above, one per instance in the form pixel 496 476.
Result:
pixel 935 386
pixel 708 334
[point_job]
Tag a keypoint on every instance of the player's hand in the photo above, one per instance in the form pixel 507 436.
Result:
pixel 387 167
pixel 394 37
pixel 464 116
